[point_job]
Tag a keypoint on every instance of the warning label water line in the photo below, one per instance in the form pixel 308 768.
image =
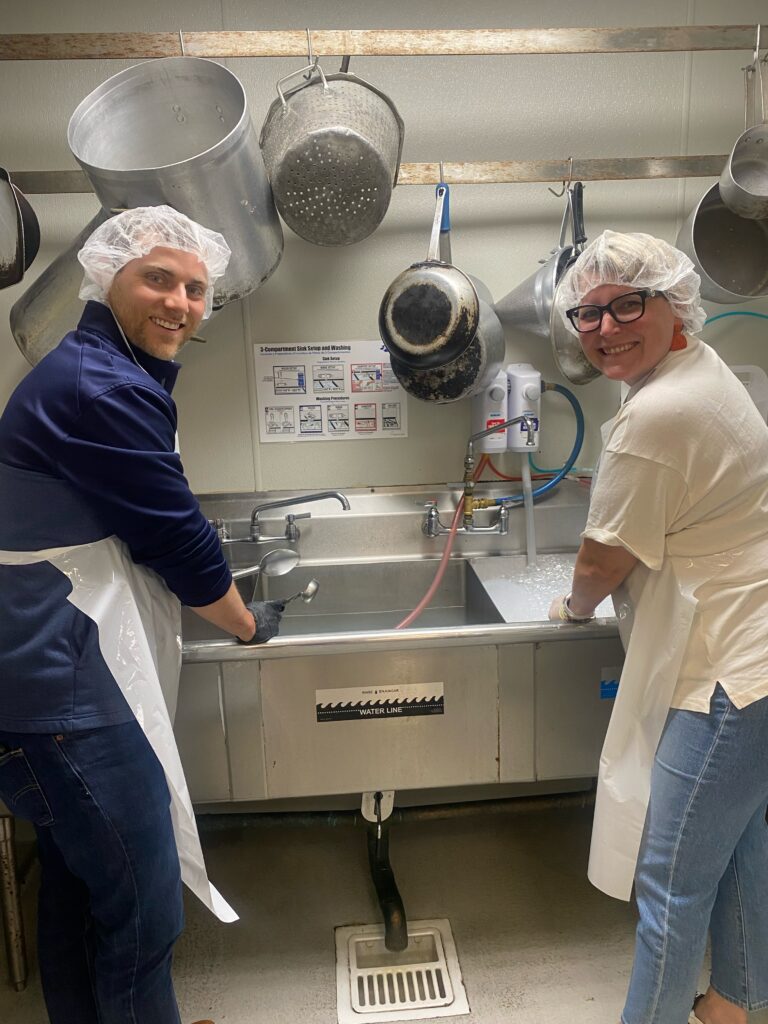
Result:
pixel 377 702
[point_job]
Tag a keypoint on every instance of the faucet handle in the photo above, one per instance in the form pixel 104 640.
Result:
pixel 220 527
pixel 292 531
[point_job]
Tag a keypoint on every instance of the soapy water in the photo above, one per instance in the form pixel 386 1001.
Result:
pixel 524 593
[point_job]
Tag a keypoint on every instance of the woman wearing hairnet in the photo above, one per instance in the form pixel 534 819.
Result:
pixel 677 531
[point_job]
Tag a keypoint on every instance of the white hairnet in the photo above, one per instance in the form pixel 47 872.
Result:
pixel 134 233
pixel 639 261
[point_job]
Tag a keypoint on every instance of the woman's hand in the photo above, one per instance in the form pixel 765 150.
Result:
pixel 560 611
pixel 599 569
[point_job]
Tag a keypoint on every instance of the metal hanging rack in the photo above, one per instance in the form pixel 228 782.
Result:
pixel 410 43
pixel 477 172
pixel 376 42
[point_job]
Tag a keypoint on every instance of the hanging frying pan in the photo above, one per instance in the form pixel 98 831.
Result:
pixel 430 313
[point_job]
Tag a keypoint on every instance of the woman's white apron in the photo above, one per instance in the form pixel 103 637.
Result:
pixel 655 611
pixel 139 624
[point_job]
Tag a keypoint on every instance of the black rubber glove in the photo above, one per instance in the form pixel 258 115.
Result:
pixel 267 615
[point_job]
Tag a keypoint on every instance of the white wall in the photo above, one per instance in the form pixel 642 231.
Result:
pixel 454 108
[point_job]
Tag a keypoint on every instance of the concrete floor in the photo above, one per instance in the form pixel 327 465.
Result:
pixel 536 942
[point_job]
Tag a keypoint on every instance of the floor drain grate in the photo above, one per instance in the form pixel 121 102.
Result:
pixel 423 981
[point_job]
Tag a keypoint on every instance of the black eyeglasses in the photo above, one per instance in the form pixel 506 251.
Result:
pixel 624 309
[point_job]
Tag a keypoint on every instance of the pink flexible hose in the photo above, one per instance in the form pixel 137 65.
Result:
pixel 412 616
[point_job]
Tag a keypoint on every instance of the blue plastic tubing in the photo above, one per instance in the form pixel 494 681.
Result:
pixel 735 312
pixel 571 458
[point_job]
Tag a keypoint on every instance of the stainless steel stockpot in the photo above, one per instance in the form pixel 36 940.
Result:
pixel 173 131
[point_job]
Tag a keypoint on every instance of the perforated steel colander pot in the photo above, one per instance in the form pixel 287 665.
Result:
pixel 332 146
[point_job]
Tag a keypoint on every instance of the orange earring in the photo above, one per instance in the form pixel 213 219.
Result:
pixel 679 340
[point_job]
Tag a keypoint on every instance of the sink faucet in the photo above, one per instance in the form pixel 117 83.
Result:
pixel 469 459
pixel 292 531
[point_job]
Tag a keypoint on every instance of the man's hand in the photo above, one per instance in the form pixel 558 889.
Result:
pixel 267 616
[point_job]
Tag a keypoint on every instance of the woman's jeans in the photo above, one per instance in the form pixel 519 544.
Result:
pixel 110 895
pixel 703 864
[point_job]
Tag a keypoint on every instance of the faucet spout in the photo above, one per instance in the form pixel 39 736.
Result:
pixel 301 499
pixel 526 418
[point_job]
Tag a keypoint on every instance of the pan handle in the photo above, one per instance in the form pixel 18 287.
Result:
pixel 433 253
pixel 567 219
pixel 579 233
pixel 445 222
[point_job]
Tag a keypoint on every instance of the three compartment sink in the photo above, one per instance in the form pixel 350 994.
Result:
pixel 357 597
pixel 364 597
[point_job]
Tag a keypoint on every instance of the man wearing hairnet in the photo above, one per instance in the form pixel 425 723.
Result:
pixel 677 531
pixel 100 539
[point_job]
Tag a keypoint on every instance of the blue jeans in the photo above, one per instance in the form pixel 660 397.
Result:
pixel 703 864
pixel 110 904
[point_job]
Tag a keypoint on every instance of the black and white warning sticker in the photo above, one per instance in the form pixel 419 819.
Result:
pixel 380 701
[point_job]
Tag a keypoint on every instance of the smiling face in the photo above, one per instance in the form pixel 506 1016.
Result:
pixel 159 300
pixel 628 352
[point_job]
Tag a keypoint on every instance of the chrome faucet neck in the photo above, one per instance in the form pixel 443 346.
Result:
pixel 301 499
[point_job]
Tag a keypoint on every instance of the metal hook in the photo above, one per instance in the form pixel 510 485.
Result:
pixel 566 185
pixel 312 58
pixel 181 43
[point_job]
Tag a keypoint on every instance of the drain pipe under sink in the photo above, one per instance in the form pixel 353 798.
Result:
pixel 390 901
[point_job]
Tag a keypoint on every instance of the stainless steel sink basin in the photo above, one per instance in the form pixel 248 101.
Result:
pixel 364 596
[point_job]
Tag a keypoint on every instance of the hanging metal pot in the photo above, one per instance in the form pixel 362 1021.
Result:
pixel 527 307
pixel 19 232
pixel 730 253
pixel 467 375
pixel 744 181
pixel 430 313
pixel 566 348
pixel 480 361
pixel 332 146
pixel 174 131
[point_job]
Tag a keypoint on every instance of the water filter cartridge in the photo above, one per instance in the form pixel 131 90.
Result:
pixel 488 409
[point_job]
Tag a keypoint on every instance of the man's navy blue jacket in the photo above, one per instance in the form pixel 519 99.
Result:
pixel 86 452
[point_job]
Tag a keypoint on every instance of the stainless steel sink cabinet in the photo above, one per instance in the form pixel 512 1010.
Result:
pixel 522 701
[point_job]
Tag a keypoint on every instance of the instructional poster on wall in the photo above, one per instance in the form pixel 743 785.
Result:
pixel 328 391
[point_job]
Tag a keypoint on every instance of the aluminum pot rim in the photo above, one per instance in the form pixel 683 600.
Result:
pixel 685 241
pixel 101 92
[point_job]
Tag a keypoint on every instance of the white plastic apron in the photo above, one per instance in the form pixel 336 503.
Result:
pixel 655 610
pixel 139 620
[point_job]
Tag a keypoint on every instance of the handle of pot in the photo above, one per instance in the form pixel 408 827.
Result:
pixel 301 71
pixel 445 222
pixel 567 219
pixel 433 253
pixel 577 213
